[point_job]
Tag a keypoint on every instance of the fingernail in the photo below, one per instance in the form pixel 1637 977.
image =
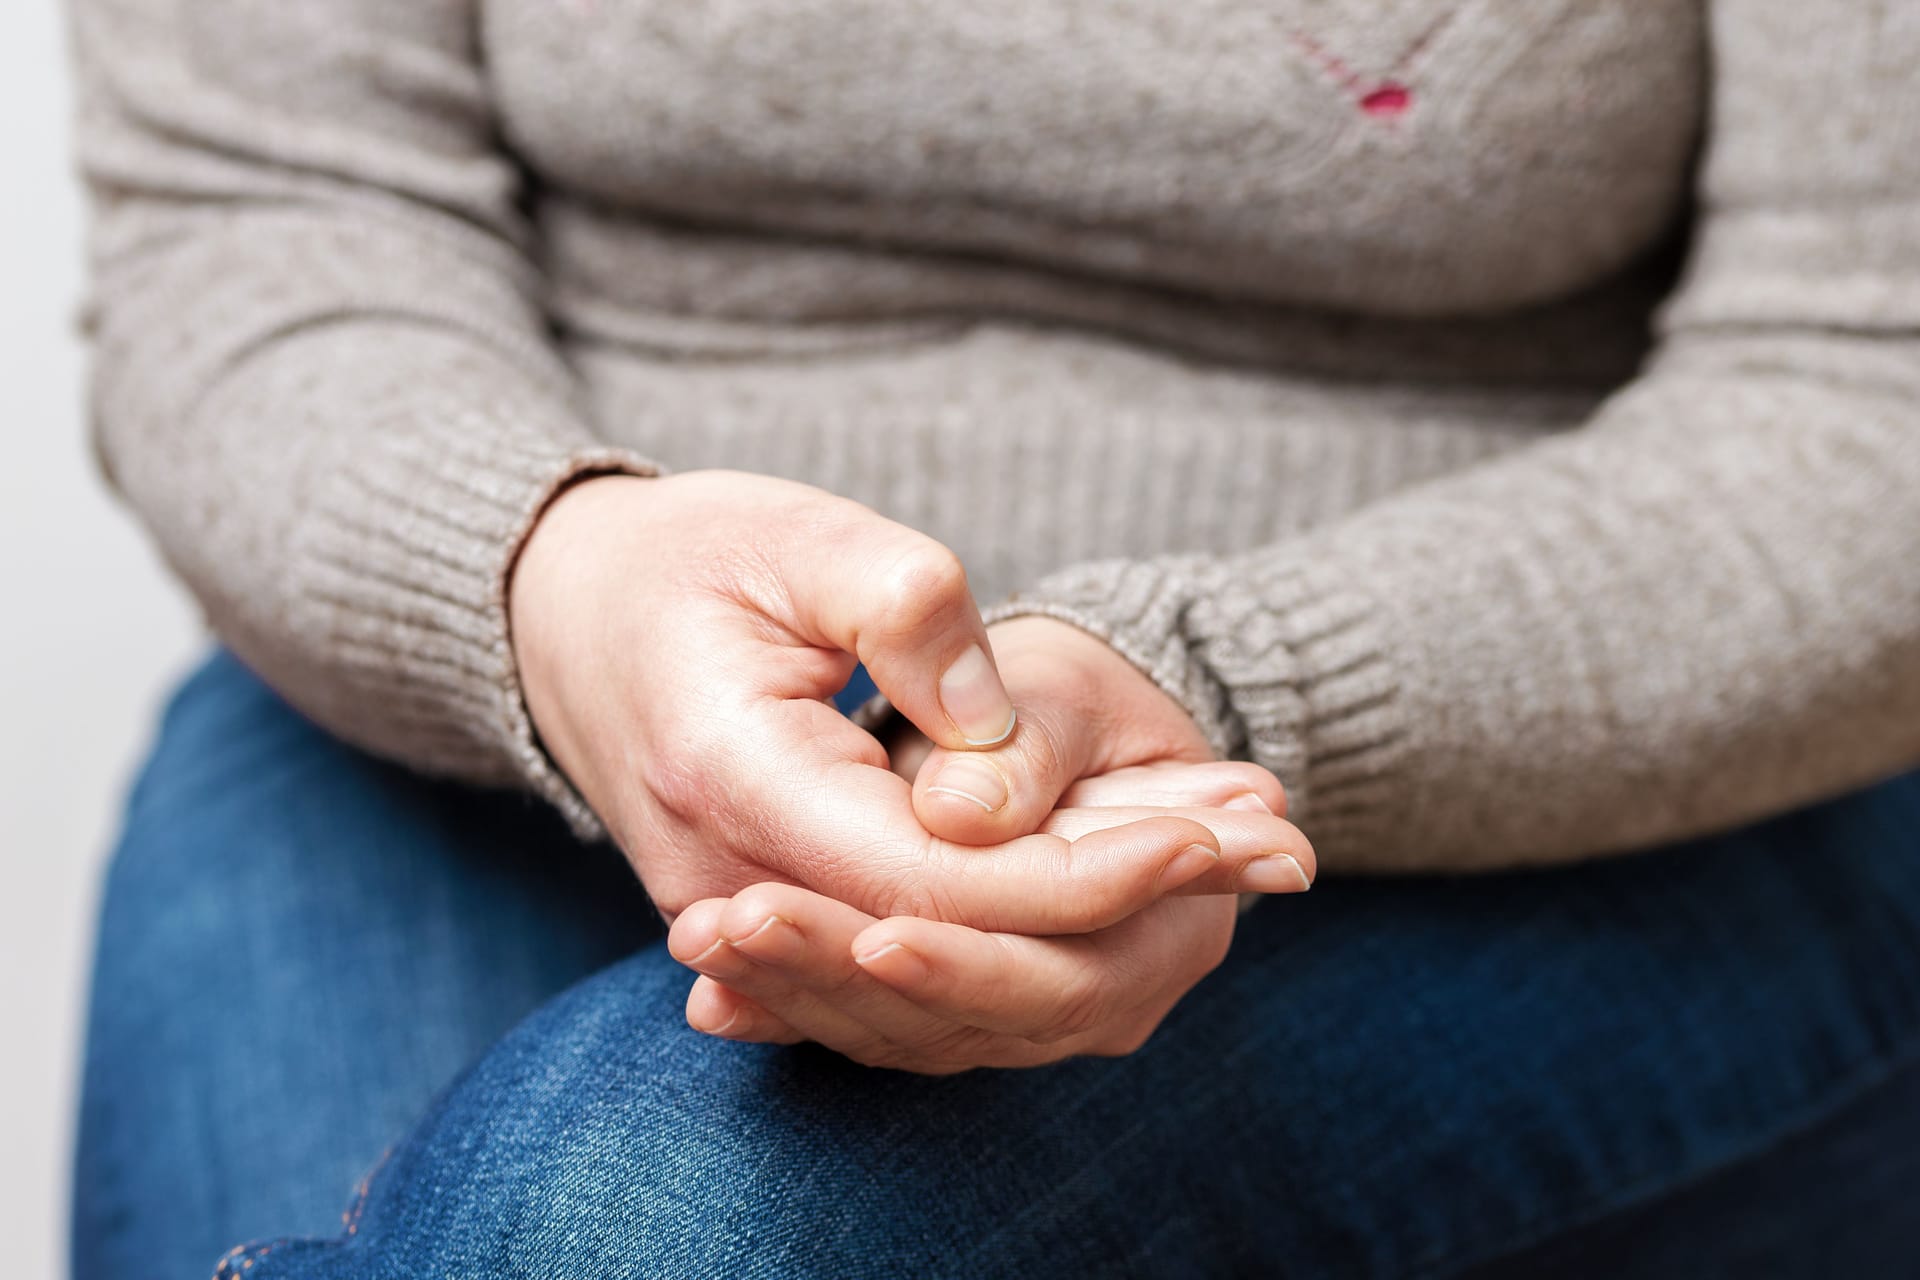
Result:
pixel 774 940
pixel 1278 873
pixel 1187 866
pixel 712 950
pixel 1247 802
pixel 894 965
pixel 973 698
pixel 973 779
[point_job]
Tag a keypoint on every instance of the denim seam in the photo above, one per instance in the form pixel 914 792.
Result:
pixel 241 1258
pixel 245 1255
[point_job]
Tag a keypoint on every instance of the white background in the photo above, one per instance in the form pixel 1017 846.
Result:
pixel 91 633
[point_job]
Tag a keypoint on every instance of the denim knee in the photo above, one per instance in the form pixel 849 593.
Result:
pixel 604 1138
pixel 299 947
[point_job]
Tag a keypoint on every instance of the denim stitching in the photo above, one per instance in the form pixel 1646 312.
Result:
pixel 245 1254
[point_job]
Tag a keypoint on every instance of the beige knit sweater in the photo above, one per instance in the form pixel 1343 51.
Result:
pixel 1502 420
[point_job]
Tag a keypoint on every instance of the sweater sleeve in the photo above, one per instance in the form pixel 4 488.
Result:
pixel 1700 608
pixel 321 371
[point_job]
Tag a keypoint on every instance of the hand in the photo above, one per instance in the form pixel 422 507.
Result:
pixel 1085 712
pixel 677 640
pixel 780 964
pixel 1094 734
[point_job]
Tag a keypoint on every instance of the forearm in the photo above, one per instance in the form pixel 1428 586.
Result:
pixel 321 375
pixel 1697 609
pixel 1694 612
pixel 352 543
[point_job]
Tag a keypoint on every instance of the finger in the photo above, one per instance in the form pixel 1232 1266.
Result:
pixel 723 963
pixel 715 1010
pixel 695 930
pixel 1259 853
pixel 788 950
pixel 849 831
pixel 899 601
pixel 1220 784
pixel 1083 710
pixel 1049 990
pixel 1048 884
pixel 801 942
pixel 986 797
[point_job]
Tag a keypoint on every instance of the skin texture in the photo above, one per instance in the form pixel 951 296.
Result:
pixel 677 640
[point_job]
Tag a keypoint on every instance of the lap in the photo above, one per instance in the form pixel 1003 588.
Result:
pixel 1397 1080
pixel 1386 1078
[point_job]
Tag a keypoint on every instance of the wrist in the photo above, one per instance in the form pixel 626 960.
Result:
pixel 552 588
pixel 559 557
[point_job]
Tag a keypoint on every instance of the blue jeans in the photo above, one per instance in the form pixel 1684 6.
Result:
pixel 317 971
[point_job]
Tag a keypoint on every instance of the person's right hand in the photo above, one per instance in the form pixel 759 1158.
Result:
pixel 781 964
pixel 678 640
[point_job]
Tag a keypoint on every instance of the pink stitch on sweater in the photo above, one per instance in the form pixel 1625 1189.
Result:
pixel 1383 99
pixel 1389 99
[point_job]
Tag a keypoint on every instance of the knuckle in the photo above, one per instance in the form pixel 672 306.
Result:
pixel 687 782
pixel 1088 898
pixel 1082 1010
pixel 1097 903
pixel 925 583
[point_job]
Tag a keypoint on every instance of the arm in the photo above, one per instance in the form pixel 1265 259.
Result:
pixel 1701 608
pixel 322 375
pixel 324 379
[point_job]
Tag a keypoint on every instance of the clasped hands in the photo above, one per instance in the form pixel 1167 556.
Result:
pixel 994 890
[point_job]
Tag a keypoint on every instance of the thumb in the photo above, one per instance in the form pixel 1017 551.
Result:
pixel 1084 710
pixel 994 795
pixel 906 612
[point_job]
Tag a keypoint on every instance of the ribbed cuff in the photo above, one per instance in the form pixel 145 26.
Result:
pixel 1139 607
pixel 1277 658
pixel 408 565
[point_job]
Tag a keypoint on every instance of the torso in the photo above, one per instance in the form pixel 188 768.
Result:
pixel 1401 156
pixel 1071 279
